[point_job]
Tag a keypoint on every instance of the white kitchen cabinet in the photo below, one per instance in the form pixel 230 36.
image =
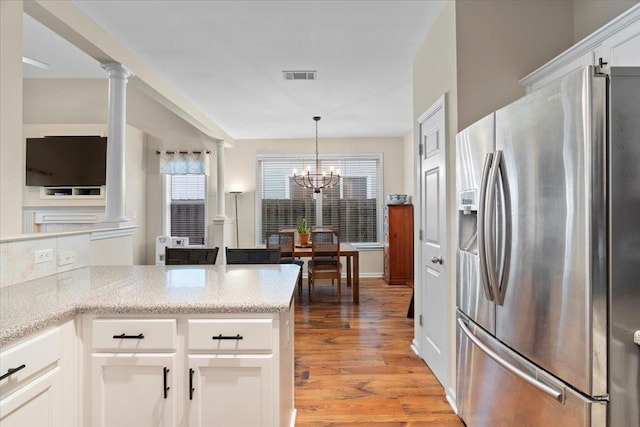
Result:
pixel 615 44
pixel 231 372
pixel 38 403
pixel 224 370
pixel 31 388
pixel 134 389
pixel 133 372
pixel 231 390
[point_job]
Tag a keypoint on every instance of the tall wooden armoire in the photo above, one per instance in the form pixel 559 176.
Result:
pixel 398 244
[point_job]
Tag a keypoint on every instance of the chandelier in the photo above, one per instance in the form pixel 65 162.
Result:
pixel 316 180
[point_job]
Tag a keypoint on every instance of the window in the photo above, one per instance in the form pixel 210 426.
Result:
pixel 185 207
pixel 351 206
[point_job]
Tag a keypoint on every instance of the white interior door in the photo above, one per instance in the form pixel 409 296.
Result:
pixel 434 318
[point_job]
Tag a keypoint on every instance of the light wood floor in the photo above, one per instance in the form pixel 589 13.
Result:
pixel 354 364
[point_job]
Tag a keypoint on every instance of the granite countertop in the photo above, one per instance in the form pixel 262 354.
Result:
pixel 144 289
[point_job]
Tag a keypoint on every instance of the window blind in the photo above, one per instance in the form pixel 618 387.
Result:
pixel 188 215
pixel 351 207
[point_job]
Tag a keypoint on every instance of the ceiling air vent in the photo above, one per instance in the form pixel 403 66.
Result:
pixel 300 75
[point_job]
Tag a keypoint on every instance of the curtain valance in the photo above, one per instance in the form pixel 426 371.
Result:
pixel 184 162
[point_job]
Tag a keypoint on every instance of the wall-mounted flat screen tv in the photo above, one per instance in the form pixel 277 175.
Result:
pixel 55 161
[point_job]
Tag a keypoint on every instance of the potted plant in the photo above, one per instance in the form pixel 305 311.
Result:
pixel 303 232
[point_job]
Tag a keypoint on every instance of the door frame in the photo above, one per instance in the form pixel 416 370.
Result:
pixel 448 322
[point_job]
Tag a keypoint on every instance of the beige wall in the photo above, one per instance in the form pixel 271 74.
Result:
pixel 589 15
pixel 240 175
pixel 434 74
pixel 476 52
pixel 113 251
pixel 498 42
pixel 31 195
pixel 11 161
pixel 136 190
pixel 408 144
pixel 76 106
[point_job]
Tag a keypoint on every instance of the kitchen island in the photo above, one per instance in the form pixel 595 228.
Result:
pixel 152 345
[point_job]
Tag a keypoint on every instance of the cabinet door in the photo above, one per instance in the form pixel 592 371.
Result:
pixel 622 49
pixel 129 390
pixel 230 390
pixel 36 404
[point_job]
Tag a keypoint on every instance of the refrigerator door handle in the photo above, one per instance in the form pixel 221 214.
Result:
pixel 480 233
pixel 556 394
pixel 500 288
pixel 489 229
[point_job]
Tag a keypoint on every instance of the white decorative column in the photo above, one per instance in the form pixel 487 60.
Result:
pixel 222 225
pixel 115 183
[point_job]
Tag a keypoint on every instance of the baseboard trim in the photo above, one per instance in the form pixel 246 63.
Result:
pixel 292 419
pixel 414 347
pixel 450 395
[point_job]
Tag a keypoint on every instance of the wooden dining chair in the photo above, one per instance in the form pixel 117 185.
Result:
pixel 252 256
pixel 325 259
pixel 322 228
pixel 190 256
pixel 285 241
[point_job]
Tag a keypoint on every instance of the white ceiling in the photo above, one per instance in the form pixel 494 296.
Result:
pixel 227 58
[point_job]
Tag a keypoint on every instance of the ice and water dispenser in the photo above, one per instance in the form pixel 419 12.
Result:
pixel 468 222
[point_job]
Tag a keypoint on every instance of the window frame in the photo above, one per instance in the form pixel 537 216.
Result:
pixel 379 157
pixel 166 207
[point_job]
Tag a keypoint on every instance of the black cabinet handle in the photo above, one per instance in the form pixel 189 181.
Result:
pixel 191 389
pixel 227 337
pixel 166 388
pixel 128 337
pixel 12 371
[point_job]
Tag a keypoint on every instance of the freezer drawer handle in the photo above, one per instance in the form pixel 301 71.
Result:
pixel 558 395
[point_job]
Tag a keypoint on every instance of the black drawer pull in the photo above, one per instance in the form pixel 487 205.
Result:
pixel 165 387
pixel 128 337
pixel 12 371
pixel 227 337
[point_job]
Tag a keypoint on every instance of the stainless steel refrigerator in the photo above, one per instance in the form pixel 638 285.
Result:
pixel 548 259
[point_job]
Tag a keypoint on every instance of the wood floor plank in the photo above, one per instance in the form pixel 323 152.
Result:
pixel 354 364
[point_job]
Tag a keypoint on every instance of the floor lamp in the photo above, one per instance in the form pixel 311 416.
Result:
pixel 235 195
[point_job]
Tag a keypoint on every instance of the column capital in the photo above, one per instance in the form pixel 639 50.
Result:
pixel 117 70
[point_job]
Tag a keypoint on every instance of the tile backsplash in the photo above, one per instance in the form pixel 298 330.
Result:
pixel 55 253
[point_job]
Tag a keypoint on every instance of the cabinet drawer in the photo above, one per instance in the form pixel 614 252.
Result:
pixel 134 334
pixel 230 334
pixel 29 357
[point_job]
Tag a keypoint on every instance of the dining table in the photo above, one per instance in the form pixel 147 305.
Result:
pixel 353 265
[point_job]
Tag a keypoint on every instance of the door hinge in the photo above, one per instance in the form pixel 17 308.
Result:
pixel 420 148
pixel 420 320
pixel 420 235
